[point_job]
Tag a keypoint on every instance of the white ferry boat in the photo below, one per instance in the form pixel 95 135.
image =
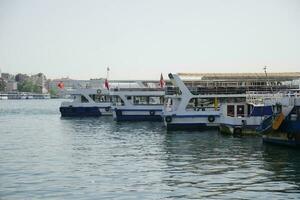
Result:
pixel 87 102
pixel 185 109
pixel 243 118
pixel 137 104
pixel 246 117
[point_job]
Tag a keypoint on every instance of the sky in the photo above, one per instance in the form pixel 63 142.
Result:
pixel 140 39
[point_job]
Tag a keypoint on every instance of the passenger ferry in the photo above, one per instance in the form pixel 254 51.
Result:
pixel 243 118
pixel 137 104
pixel 87 102
pixel 284 126
pixel 186 109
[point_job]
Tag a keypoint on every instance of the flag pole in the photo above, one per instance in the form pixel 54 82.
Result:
pixel 107 72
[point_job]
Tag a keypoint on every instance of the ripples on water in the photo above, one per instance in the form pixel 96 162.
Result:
pixel 46 157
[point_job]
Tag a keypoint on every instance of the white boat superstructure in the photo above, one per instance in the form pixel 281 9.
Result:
pixel 87 102
pixel 185 110
pixel 137 104
pixel 246 117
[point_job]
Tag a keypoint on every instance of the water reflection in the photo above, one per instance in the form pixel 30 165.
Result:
pixel 284 162
pixel 217 166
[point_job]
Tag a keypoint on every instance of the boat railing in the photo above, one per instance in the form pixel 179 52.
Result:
pixel 172 91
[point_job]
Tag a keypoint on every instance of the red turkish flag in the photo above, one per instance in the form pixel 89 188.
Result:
pixel 161 81
pixel 106 84
pixel 61 85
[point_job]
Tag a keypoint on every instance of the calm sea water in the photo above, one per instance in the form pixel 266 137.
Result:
pixel 43 156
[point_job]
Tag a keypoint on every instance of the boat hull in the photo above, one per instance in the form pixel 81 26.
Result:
pixel 281 139
pixel 93 111
pixel 238 130
pixel 137 115
pixel 288 134
pixel 191 122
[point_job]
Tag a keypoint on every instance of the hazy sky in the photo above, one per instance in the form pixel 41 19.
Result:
pixel 139 39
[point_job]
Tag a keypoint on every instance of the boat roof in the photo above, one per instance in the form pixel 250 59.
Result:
pixel 279 76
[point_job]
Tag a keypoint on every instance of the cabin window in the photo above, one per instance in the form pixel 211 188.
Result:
pixel 168 102
pixel 140 100
pixel 278 108
pixel 249 108
pixel 148 100
pixel 202 104
pixel 156 100
pixel 84 99
pixel 100 98
pixel 240 110
pixel 118 101
pixel 298 113
pixel 230 110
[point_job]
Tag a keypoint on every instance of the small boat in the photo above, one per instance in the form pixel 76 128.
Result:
pixel 244 118
pixel 283 127
pixel 137 104
pixel 3 96
pixel 87 102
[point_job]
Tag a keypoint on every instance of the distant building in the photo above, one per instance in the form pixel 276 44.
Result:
pixel 11 86
pixel 21 77
pixel 39 80
pixel 2 84
pixel 7 76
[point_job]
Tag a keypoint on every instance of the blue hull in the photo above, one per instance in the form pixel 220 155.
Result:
pixel 282 142
pixel 80 112
pixel 154 118
pixel 189 127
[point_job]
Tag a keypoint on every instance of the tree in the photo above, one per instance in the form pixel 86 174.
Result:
pixel 53 92
pixel 2 84
pixel 28 86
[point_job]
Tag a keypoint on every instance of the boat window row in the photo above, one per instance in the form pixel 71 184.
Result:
pixel 239 110
pixel 100 98
pixel 202 104
pixel 244 110
pixel 117 101
pixel 146 100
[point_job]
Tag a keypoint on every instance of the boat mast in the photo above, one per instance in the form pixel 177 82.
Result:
pixel 268 81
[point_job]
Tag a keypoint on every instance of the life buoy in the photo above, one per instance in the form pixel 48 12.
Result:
pixel 99 91
pixel 152 112
pixel 118 112
pixel 211 118
pixel 290 136
pixel 107 109
pixel 168 119
pixel 237 131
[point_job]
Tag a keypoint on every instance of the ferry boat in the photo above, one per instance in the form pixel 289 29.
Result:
pixel 3 96
pixel 137 104
pixel 243 118
pixel 87 102
pixel 284 127
pixel 186 109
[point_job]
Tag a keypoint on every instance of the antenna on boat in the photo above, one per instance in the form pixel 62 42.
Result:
pixel 107 72
pixel 268 81
pixel 106 84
